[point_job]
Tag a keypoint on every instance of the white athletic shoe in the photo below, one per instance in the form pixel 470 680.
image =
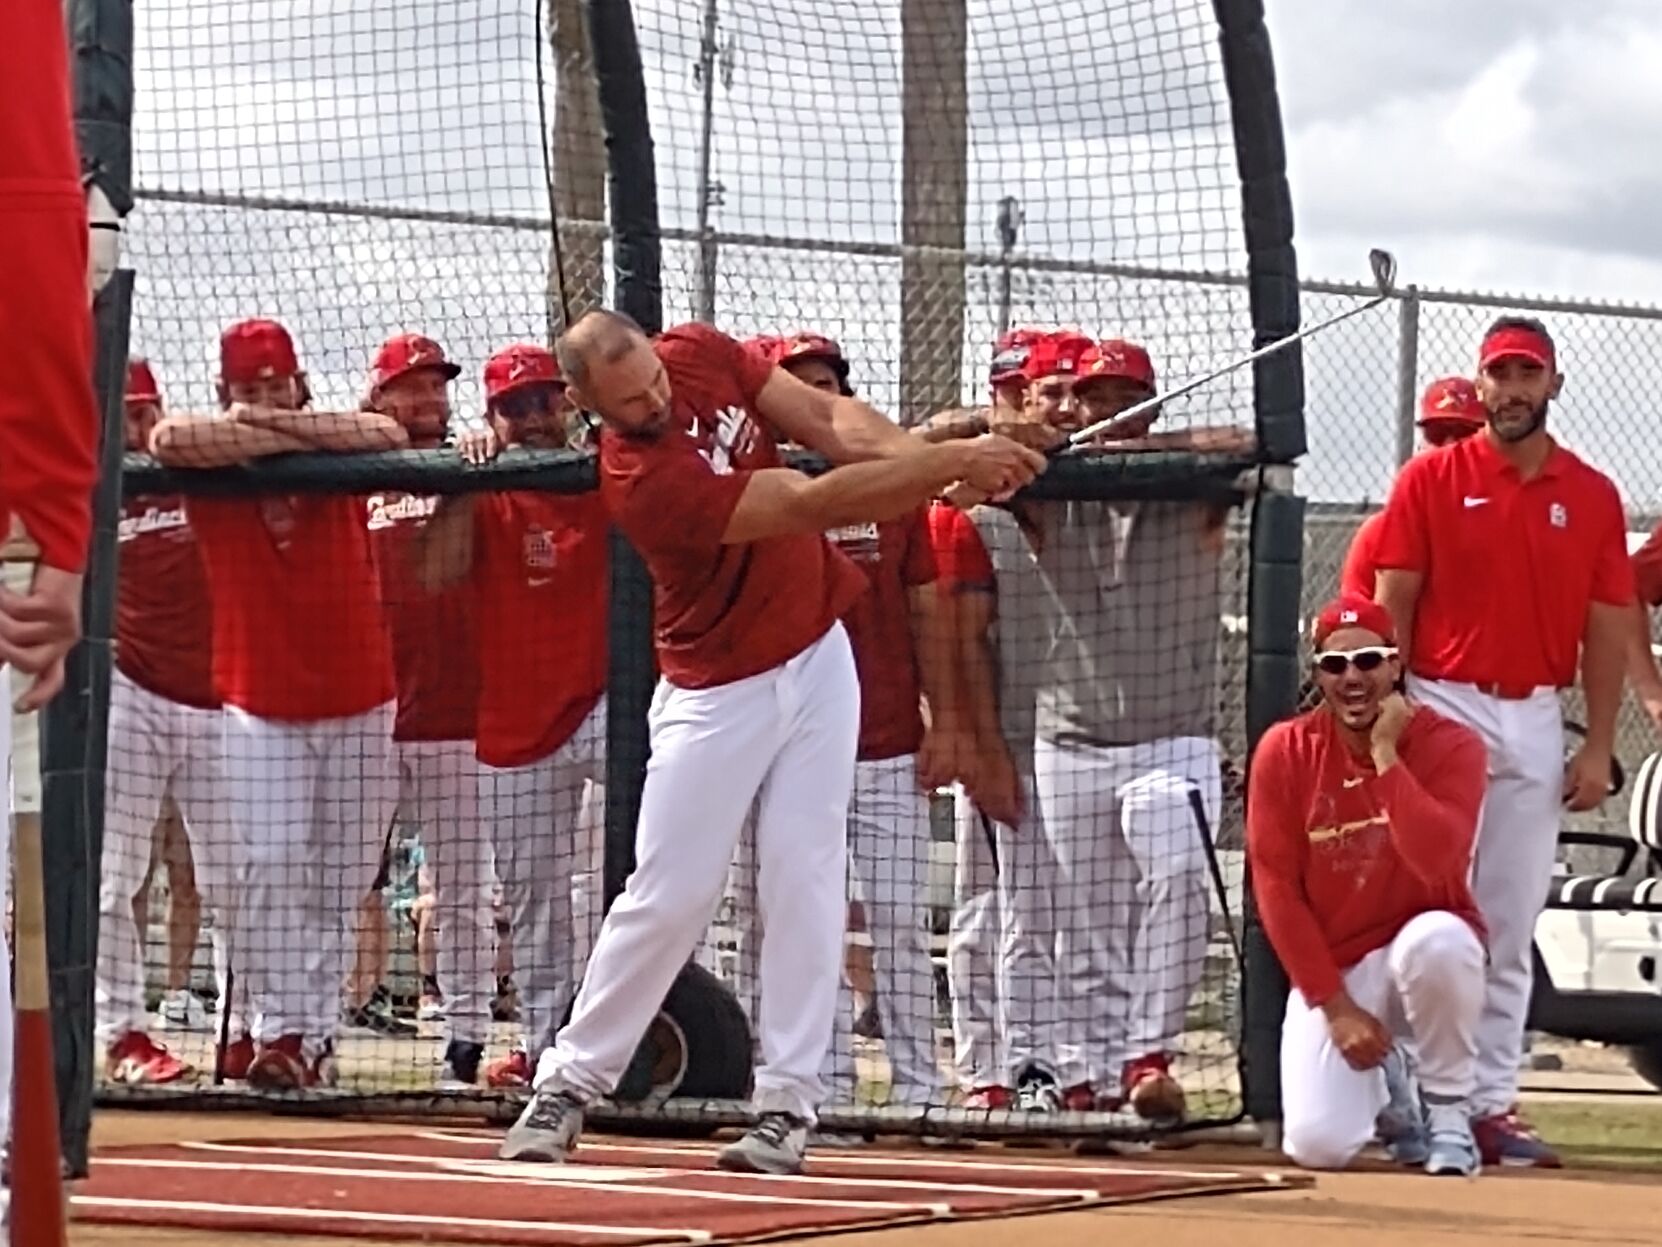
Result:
pixel 183 1010
pixel 775 1144
pixel 1452 1150
pixel 547 1130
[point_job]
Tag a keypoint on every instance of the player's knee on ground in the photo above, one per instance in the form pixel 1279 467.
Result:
pixel 1329 1141
pixel 1438 950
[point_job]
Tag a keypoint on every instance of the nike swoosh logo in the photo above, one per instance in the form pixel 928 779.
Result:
pixel 1474 502
pixel 1353 782
pixel 537 582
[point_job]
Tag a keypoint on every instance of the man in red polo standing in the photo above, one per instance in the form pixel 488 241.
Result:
pixel 1504 527
pixel 1450 411
pixel 303 664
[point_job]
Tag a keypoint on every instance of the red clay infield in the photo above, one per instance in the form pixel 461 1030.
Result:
pixel 447 1186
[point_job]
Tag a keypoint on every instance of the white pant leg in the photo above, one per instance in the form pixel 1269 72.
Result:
pixel 441 794
pixel 199 791
pixel 1517 842
pixel 1078 789
pixel 8 1016
pixel 137 771
pixel 972 950
pixel 271 774
pixel 1437 974
pixel 801 872
pixel 355 799
pixel 1034 1030
pixel 1169 936
pixel 710 749
pixel 888 846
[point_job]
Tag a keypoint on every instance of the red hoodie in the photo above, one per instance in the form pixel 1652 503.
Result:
pixel 1341 857
pixel 48 429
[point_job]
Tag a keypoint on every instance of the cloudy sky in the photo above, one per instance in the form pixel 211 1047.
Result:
pixel 1500 145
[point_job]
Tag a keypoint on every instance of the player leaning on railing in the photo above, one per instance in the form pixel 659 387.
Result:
pixel 303 664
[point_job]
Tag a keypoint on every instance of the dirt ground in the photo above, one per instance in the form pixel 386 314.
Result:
pixel 1605 1206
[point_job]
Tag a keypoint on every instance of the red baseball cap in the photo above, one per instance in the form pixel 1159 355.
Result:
pixel 1010 354
pixel 1517 342
pixel 405 353
pixel 141 382
pixel 514 367
pixel 1056 353
pixel 1115 357
pixel 1453 399
pixel 1350 611
pixel 252 350
pixel 812 346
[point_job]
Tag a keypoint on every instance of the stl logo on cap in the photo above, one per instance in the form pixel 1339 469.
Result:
pixel 519 365
pixel 1351 611
pixel 1452 398
pixel 404 354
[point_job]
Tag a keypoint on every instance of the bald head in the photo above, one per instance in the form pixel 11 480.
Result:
pixel 596 337
pixel 612 370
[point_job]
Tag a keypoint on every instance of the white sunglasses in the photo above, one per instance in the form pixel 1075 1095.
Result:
pixel 1368 658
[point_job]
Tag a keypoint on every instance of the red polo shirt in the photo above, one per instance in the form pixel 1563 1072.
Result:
pixel 1510 566
pixel 896 559
pixel 164 617
pixel 1361 569
pixel 722 612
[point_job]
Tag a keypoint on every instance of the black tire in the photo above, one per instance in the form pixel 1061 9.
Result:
pixel 1646 1060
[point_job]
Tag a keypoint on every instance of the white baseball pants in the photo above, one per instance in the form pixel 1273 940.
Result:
pixel 1426 986
pixel 312 803
pixel 549 858
pixel 1517 843
pixel 1133 898
pixel 888 868
pixel 439 791
pixel 158 746
pixel 1002 948
pixel 786 737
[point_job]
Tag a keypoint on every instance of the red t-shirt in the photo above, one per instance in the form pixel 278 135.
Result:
pixel 1510 565
pixel 298 628
pixel 1361 569
pixel 435 648
pixel 48 424
pixel 960 555
pixel 163 615
pixel 722 612
pixel 1341 857
pixel 896 558
pixel 540 585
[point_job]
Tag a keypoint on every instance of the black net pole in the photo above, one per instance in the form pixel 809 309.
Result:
pixel 632 191
pixel 72 753
pixel 1277 544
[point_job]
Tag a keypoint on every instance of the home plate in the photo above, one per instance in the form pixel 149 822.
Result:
pixel 449 1187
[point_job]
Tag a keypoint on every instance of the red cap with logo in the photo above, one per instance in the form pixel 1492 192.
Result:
pixel 1010 354
pixel 514 367
pixel 1115 357
pixel 812 346
pixel 404 354
pixel 1517 342
pixel 252 350
pixel 141 382
pixel 1453 399
pixel 1350 611
pixel 1056 354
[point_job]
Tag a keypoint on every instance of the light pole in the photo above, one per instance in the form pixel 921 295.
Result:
pixel 709 192
pixel 1009 229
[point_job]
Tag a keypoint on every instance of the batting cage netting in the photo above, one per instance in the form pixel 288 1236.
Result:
pixel 376 727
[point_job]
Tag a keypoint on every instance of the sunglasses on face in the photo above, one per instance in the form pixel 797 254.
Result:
pixel 1369 658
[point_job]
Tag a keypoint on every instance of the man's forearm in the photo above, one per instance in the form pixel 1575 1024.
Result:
pixel 882 490
pixel 217 442
pixel 946 426
pixel 1605 651
pixel 860 432
pixel 1641 655
pixel 933 636
pixel 1399 593
pixel 336 431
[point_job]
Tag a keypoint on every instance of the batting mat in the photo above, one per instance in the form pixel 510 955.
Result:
pixel 448 1186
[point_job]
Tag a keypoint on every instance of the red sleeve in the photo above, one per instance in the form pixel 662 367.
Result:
pixel 1276 841
pixel 1613 579
pixel 730 372
pixel 1404 529
pixel 1433 797
pixel 1360 572
pixel 48 422
pixel 1647 568
pixel 668 498
pixel 960 555
pixel 917 566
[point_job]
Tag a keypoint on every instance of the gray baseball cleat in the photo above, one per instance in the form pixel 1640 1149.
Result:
pixel 547 1130
pixel 1452 1151
pixel 775 1144
pixel 1401 1123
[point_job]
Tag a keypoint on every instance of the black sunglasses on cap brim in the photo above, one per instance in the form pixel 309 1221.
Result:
pixel 1368 658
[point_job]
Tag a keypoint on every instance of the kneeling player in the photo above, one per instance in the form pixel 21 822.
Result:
pixel 1361 818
